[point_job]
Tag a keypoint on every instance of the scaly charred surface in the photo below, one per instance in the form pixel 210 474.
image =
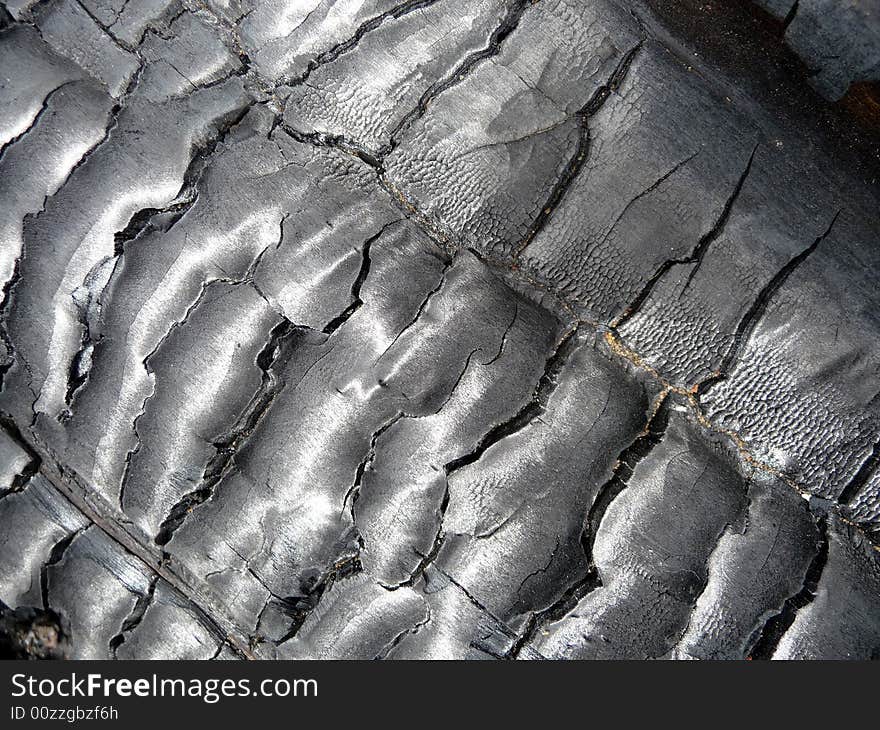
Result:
pixel 437 329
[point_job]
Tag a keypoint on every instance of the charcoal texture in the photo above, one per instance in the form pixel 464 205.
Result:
pixel 513 329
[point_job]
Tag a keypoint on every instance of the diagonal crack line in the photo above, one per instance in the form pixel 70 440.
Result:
pixel 11 285
pixel 428 558
pixel 713 234
pixel 106 29
pixel 368 26
pixel 356 286
pixel 541 570
pixel 194 305
pixel 140 223
pixel 508 24
pixel 36 120
pixel 110 127
pixel 749 322
pixel 131 622
pixel 509 142
pixel 537 620
pixel 695 256
pixel 475 601
pixel 422 307
pixel 22 479
pixel 504 336
pixel 544 388
pixel 499 625
pixel 335 141
pixel 411 631
pixel 651 435
pixel 452 390
pixel 117 14
pixel 647 191
pixel 767 640
pixel 107 518
pixel 56 555
pixel 790 16
pixel 866 470
pixel 578 159
pixel 271 359
pixel 366 463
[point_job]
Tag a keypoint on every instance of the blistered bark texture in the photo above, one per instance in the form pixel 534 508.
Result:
pixel 436 329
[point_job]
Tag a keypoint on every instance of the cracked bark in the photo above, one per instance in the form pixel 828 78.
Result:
pixel 114 524
pixel 423 305
pixel 37 117
pixel 116 41
pixel 411 631
pixel 300 608
pixel 503 342
pixel 56 555
pixel 134 232
pixel 741 524
pixel 543 569
pixel 768 638
pixel 753 315
pixel 336 141
pixel 629 458
pixel 146 363
pixel 577 161
pixel 694 257
pixel 10 286
pixel 398 197
pixel 354 490
pixel 22 479
pixel 364 271
pixel 647 191
pixel 366 27
pixel 137 614
pixel 867 469
pixel 499 624
pixel 271 361
pixel 533 409
pixel 508 24
pixel 427 559
pixel 141 223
